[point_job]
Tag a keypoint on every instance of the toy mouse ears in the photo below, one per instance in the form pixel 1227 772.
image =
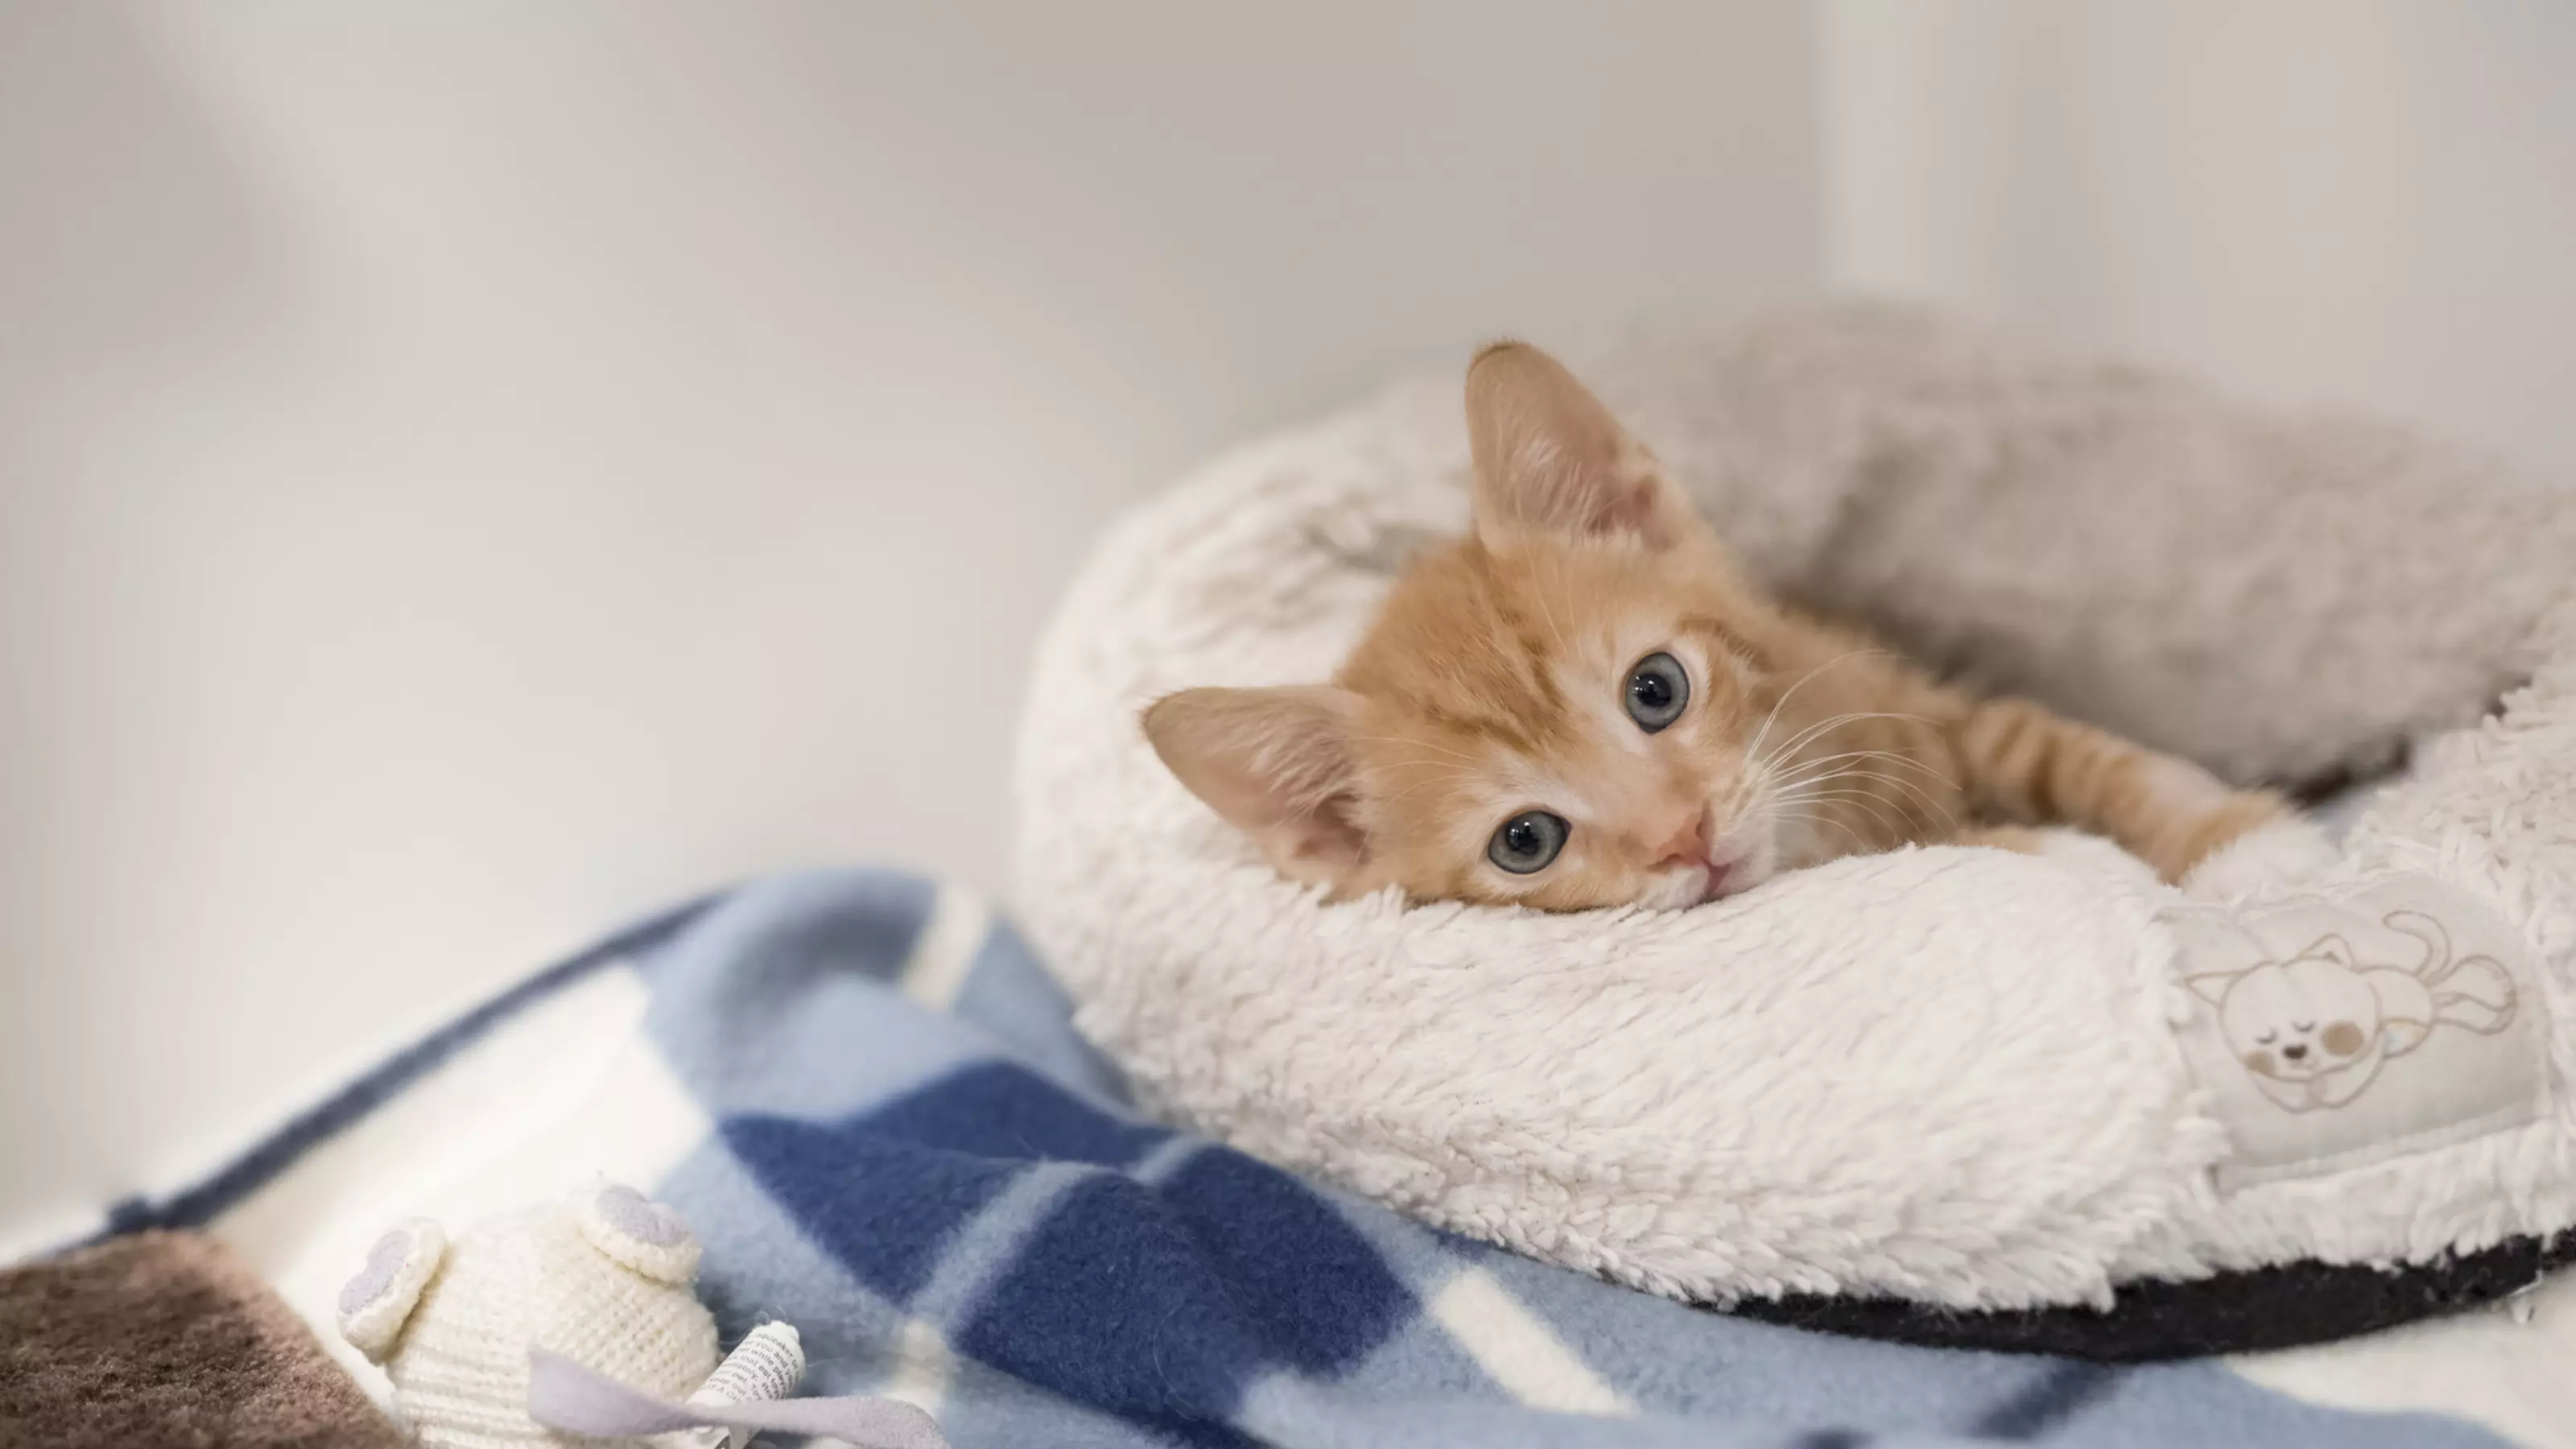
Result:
pixel 644 1235
pixel 375 1304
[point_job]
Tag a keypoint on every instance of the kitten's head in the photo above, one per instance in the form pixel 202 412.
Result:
pixel 1561 711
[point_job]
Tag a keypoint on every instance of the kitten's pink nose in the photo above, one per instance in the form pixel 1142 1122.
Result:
pixel 1688 843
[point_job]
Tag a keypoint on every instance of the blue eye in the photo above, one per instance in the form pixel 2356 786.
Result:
pixel 1527 842
pixel 1658 692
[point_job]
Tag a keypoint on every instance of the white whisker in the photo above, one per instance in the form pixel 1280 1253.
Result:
pixel 1856 773
pixel 1888 755
pixel 1859 846
pixel 1837 722
pixel 1753 751
pixel 1866 803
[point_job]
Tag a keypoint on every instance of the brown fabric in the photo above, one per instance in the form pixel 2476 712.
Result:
pixel 167 1340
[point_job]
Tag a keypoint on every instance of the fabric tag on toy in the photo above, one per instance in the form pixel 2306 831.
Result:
pixel 2335 1031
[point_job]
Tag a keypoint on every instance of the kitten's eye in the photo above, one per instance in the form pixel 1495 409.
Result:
pixel 1527 842
pixel 2269 1037
pixel 1658 692
pixel 2303 1026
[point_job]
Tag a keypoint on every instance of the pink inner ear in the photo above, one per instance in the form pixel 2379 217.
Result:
pixel 1327 835
pixel 1628 508
pixel 1549 458
pixel 1574 505
pixel 1275 763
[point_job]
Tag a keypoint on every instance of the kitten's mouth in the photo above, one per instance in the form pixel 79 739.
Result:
pixel 1735 865
pixel 1740 862
pixel 1724 878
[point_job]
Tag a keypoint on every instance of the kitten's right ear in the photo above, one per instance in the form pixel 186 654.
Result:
pixel 1277 765
pixel 1550 459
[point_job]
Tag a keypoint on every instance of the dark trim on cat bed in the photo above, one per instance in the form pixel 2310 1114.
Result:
pixel 2243 1312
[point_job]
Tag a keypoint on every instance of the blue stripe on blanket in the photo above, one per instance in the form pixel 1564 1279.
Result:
pixel 962 1203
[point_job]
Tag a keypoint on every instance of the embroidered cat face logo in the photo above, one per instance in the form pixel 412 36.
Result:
pixel 2313 1030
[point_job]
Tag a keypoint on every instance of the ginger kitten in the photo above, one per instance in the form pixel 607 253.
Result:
pixel 1583 703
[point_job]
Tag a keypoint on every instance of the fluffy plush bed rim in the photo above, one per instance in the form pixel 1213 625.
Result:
pixel 1944 1094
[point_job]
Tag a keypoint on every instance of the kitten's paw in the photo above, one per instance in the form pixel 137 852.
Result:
pixel 2194 830
pixel 2283 851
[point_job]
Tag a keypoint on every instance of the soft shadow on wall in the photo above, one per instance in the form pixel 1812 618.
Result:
pixel 138 257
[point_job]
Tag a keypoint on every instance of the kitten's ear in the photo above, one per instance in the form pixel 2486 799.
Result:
pixel 1277 764
pixel 1550 459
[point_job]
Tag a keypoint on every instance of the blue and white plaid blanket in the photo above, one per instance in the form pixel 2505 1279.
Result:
pixel 866 1095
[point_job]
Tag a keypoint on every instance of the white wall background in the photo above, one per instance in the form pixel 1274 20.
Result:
pixel 472 474
pixel 2360 203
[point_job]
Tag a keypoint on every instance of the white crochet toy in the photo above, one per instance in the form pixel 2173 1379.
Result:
pixel 576 1323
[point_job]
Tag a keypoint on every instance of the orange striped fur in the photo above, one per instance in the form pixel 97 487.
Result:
pixel 1500 680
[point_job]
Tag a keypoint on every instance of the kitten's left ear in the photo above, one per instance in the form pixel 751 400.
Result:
pixel 1277 764
pixel 1551 460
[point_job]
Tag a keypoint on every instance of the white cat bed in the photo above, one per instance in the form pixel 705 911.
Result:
pixel 1945 1094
